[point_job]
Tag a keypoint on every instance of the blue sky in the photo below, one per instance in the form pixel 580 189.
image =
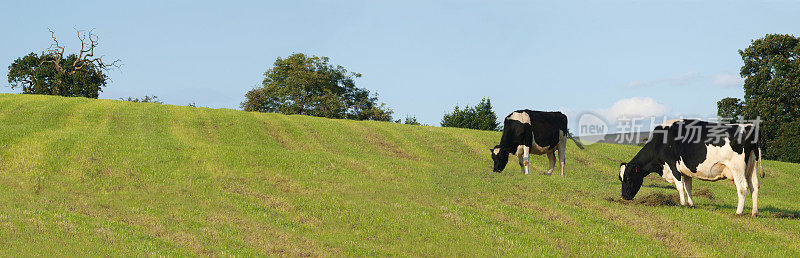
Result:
pixel 422 57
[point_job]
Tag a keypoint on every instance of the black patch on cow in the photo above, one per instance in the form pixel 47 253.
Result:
pixel 546 127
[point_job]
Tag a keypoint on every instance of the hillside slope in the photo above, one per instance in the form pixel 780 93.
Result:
pixel 105 177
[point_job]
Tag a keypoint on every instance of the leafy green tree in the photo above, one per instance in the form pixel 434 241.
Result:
pixel 480 117
pixel 730 109
pixel 53 73
pixel 772 92
pixel 309 85
pixel 787 145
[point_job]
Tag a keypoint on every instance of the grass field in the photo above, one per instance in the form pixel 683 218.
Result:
pixel 105 177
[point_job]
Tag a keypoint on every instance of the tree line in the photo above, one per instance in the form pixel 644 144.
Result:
pixel 310 85
pixel 298 84
pixel 771 93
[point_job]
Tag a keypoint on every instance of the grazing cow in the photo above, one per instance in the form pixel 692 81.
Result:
pixel 682 150
pixel 528 132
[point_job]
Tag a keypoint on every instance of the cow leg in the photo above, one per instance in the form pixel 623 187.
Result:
pixel 679 186
pixel 520 156
pixel 562 147
pixel 687 187
pixel 552 158
pixel 527 158
pixel 752 183
pixel 741 188
pixel 524 159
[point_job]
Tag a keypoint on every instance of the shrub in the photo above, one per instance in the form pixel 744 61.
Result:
pixel 479 117
pixel 146 99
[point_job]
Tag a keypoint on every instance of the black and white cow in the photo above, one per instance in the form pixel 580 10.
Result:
pixel 682 150
pixel 528 132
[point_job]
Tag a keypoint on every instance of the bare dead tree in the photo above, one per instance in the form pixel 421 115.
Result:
pixel 85 58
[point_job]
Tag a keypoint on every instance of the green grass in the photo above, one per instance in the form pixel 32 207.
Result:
pixel 105 177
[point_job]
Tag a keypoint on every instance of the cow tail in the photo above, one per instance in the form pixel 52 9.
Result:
pixel 580 146
pixel 760 168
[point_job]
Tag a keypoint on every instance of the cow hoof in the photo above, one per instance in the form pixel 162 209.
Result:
pixel 754 214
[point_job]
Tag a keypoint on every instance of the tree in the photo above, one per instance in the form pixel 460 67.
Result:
pixel 787 145
pixel 309 85
pixel 772 92
pixel 480 117
pixel 53 73
pixel 730 109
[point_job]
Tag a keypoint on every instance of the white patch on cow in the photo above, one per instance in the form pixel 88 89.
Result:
pixel 670 122
pixel 718 159
pixel 522 117
pixel 496 151
pixel 622 172
pixel 666 173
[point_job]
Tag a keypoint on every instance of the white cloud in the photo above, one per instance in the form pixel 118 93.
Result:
pixel 682 79
pixel 727 80
pixel 678 79
pixel 635 107
pixel 634 84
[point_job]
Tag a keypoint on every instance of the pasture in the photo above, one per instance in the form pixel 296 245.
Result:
pixel 105 177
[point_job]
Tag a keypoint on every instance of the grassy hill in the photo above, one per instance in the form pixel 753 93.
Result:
pixel 105 177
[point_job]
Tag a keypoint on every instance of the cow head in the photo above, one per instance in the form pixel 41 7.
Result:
pixel 631 178
pixel 500 158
